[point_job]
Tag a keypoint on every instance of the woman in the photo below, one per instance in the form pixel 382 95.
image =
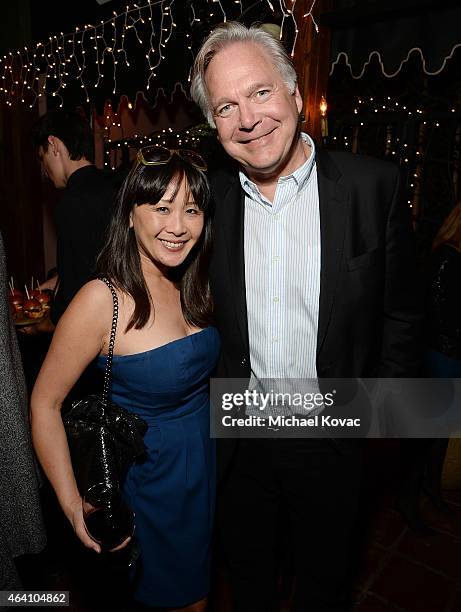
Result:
pixel 443 359
pixel 425 457
pixel 165 351
pixel 444 309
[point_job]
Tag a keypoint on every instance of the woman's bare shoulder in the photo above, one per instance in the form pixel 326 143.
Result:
pixel 95 291
pixel 94 299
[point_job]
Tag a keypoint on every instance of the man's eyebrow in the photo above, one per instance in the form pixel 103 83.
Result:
pixel 259 85
pixel 220 102
pixel 247 92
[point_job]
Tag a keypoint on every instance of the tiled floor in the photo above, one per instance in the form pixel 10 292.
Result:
pixel 402 571
pixel 398 570
pixel 411 573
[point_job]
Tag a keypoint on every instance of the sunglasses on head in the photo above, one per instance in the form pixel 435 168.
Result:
pixel 158 155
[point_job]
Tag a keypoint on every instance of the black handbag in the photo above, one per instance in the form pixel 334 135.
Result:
pixel 104 439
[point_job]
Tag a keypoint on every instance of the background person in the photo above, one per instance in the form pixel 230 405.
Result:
pixel 443 359
pixel 165 349
pixel 21 525
pixel 312 277
pixel 424 459
pixel 444 299
pixel 65 146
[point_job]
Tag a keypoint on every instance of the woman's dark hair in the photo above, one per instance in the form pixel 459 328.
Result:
pixel 120 260
pixel 450 232
pixel 70 127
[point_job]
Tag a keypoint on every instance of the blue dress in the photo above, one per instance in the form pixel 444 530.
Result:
pixel 173 491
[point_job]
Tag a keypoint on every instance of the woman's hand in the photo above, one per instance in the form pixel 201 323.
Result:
pixel 122 545
pixel 75 516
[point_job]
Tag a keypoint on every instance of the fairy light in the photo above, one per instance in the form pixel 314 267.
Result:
pixel 309 14
pixel 166 26
pixel 149 25
pixel 409 154
pixel 218 2
pixel 195 19
pixel 114 150
pixel 112 119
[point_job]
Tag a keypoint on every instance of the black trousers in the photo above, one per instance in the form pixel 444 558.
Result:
pixel 317 488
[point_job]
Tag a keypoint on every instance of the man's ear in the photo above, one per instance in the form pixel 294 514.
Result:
pixel 298 99
pixel 54 144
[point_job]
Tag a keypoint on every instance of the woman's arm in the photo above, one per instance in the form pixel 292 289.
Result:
pixel 78 339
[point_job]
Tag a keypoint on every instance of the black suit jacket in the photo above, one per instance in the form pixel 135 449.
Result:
pixel 369 310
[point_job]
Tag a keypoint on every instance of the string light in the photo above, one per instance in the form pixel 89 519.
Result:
pixel 309 14
pixel 68 57
pixel 116 152
pixel 410 155
pixel 112 119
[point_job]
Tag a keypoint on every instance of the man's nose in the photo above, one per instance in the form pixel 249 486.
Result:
pixel 248 116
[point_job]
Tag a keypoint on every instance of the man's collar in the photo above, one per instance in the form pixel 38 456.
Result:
pixel 79 173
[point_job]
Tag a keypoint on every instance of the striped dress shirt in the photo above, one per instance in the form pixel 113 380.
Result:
pixel 282 276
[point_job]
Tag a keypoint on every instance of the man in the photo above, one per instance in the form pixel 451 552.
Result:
pixel 312 277
pixel 65 148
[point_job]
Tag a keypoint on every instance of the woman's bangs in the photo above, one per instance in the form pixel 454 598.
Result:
pixel 150 183
pixel 197 186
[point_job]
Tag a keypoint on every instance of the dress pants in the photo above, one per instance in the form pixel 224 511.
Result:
pixel 316 485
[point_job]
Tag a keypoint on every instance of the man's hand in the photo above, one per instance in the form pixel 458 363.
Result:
pixel 49 284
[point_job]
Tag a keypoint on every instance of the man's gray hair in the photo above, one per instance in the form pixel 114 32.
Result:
pixel 227 34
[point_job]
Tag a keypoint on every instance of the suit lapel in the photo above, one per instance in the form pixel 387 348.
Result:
pixel 234 206
pixel 334 204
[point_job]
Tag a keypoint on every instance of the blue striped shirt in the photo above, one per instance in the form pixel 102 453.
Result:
pixel 282 275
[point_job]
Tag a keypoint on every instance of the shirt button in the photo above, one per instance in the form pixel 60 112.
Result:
pixel 275 299
pixel 275 339
pixel 276 258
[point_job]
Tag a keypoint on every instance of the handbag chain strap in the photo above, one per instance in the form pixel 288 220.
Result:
pixel 110 353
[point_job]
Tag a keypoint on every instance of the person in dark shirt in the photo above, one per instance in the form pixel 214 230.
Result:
pixel 65 148
pixel 443 357
pixel 444 307
pixel 423 464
